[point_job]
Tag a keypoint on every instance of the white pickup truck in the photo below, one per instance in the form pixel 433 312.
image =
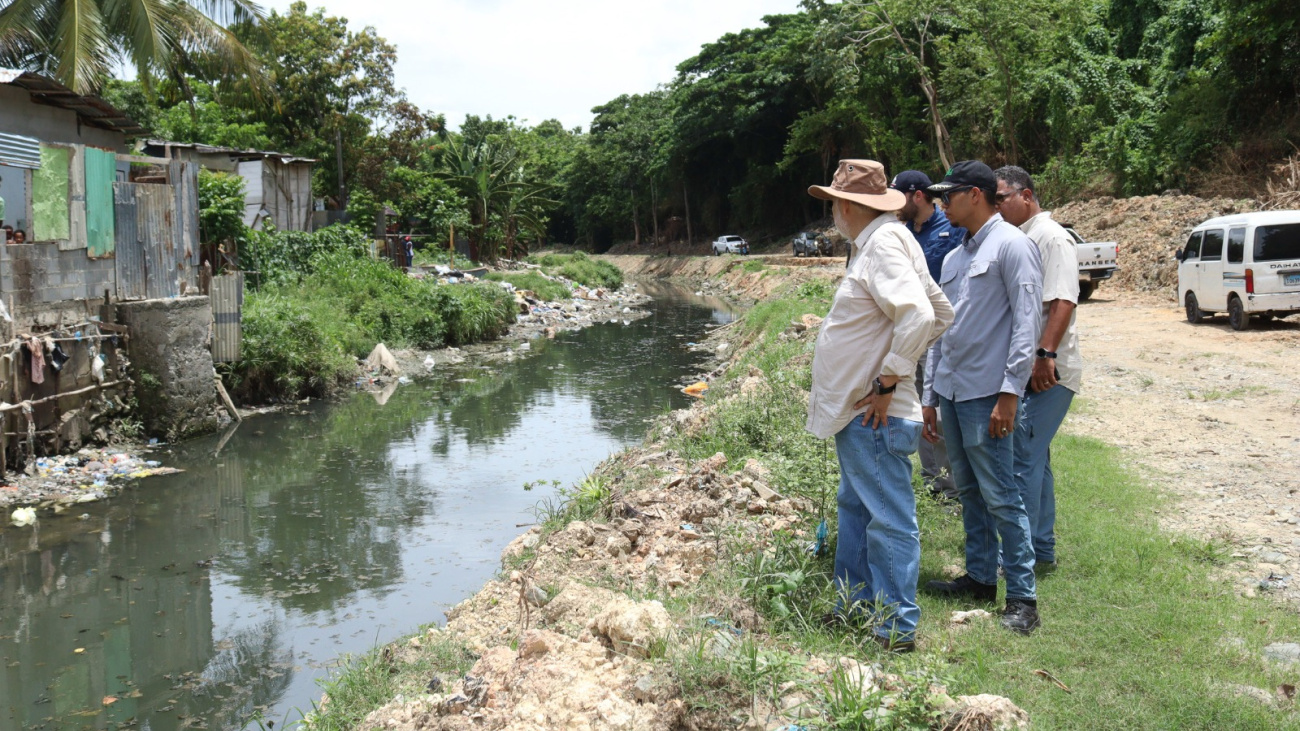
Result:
pixel 1097 261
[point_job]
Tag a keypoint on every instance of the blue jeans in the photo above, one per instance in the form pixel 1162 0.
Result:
pixel 1044 413
pixel 983 468
pixel 878 556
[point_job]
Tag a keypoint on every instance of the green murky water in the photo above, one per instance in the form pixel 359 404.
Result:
pixel 202 599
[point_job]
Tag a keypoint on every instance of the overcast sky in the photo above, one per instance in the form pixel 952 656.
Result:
pixel 541 60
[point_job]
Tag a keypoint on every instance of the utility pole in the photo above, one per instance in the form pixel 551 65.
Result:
pixel 338 154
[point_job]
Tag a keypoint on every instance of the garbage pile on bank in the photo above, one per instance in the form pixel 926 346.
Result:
pixel 589 306
pixel 87 475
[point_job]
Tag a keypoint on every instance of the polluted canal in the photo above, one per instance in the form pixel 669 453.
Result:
pixel 214 597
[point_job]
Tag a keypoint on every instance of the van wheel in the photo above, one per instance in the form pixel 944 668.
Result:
pixel 1238 318
pixel 1195 314
pixel 1085 290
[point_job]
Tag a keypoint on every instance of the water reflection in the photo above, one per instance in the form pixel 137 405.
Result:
pixel 201 599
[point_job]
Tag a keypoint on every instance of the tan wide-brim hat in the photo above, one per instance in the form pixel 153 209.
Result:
pixel 863 182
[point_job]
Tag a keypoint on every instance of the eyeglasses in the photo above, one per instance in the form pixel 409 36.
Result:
pixel 1000 197
pixel 945 196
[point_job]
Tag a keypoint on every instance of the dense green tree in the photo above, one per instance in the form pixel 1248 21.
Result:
pixel 333 85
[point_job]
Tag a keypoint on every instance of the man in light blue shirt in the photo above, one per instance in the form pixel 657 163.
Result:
pixel 978 372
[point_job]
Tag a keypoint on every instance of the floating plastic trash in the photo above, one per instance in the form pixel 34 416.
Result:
pixel 696 389
pixel 22 517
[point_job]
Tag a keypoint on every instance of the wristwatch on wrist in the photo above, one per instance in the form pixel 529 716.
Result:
pixel 881 389
pixel 1042 353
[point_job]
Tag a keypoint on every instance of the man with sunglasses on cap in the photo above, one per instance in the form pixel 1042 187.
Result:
pixel 937 237
pixel 886 312
pixel 977 374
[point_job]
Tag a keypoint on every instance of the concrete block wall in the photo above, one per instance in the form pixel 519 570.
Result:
pixel 42 280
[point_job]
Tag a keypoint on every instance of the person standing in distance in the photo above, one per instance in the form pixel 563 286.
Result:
pixel 937 237
pixel 1058 368
pixel 977 374
pixel 886 312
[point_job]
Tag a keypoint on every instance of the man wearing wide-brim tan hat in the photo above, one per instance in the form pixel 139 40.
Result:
pixel 887 311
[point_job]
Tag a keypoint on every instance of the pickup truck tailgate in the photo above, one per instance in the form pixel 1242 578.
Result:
pixel 1098 255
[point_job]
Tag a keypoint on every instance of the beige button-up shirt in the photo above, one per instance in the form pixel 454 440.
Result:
pixel 886 312
pixel 1060 282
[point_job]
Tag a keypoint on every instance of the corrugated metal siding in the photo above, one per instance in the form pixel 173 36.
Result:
pixel 184 179
pixel 155 217
pixel 131 273
pixel 19 151
pixel 227 312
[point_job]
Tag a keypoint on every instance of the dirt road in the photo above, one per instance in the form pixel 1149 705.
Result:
pixel 1213 413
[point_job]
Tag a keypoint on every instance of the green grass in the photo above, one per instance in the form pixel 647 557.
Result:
pixel 580 268
pixel 753 265
pixel 368 682
pixel 548 290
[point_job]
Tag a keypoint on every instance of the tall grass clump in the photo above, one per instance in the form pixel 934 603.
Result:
pixel 547 290
pixel 580 268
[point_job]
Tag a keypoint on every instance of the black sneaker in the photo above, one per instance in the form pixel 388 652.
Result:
pixel 896 646
pixel 964 586
pixel 1021 615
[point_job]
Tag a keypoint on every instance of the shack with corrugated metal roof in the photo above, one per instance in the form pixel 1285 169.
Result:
pixel 277 186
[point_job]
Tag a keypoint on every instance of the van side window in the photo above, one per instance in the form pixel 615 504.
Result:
pixel 1277 243
pixel 1236 245
pixel 1212 246
pixel 1193 248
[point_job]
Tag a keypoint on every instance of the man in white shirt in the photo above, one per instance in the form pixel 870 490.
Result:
pixel 885 314
pixel 1058 368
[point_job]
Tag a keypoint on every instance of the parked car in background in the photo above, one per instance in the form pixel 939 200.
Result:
pixel 730 245
pixel 810 243
pixel 1246 264
pixel 1097 261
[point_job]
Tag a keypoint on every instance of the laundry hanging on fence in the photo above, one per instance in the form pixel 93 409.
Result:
pixel 101 170
pixel 37 350
pixel 50 220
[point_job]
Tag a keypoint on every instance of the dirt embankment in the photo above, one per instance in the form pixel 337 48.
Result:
pixel 746 279
pixel 1149 229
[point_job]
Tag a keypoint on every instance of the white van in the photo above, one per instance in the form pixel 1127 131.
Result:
pixel 1246 264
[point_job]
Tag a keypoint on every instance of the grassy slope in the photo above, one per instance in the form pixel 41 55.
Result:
pixel 1135 622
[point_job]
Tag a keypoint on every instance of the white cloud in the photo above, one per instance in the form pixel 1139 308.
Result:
pixel 539 60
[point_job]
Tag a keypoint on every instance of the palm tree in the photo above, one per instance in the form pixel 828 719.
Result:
pixel 77 42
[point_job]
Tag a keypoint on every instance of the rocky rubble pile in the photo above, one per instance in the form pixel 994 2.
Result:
pixel 1149 230
pixel 558 649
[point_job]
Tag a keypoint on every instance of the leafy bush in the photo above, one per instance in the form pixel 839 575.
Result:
pixel 580 268
pixel 221 207
pixel 280 257
pixel 547 290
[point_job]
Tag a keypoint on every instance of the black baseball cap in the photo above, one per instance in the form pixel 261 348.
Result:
pixel 910 181
pixel 967 173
